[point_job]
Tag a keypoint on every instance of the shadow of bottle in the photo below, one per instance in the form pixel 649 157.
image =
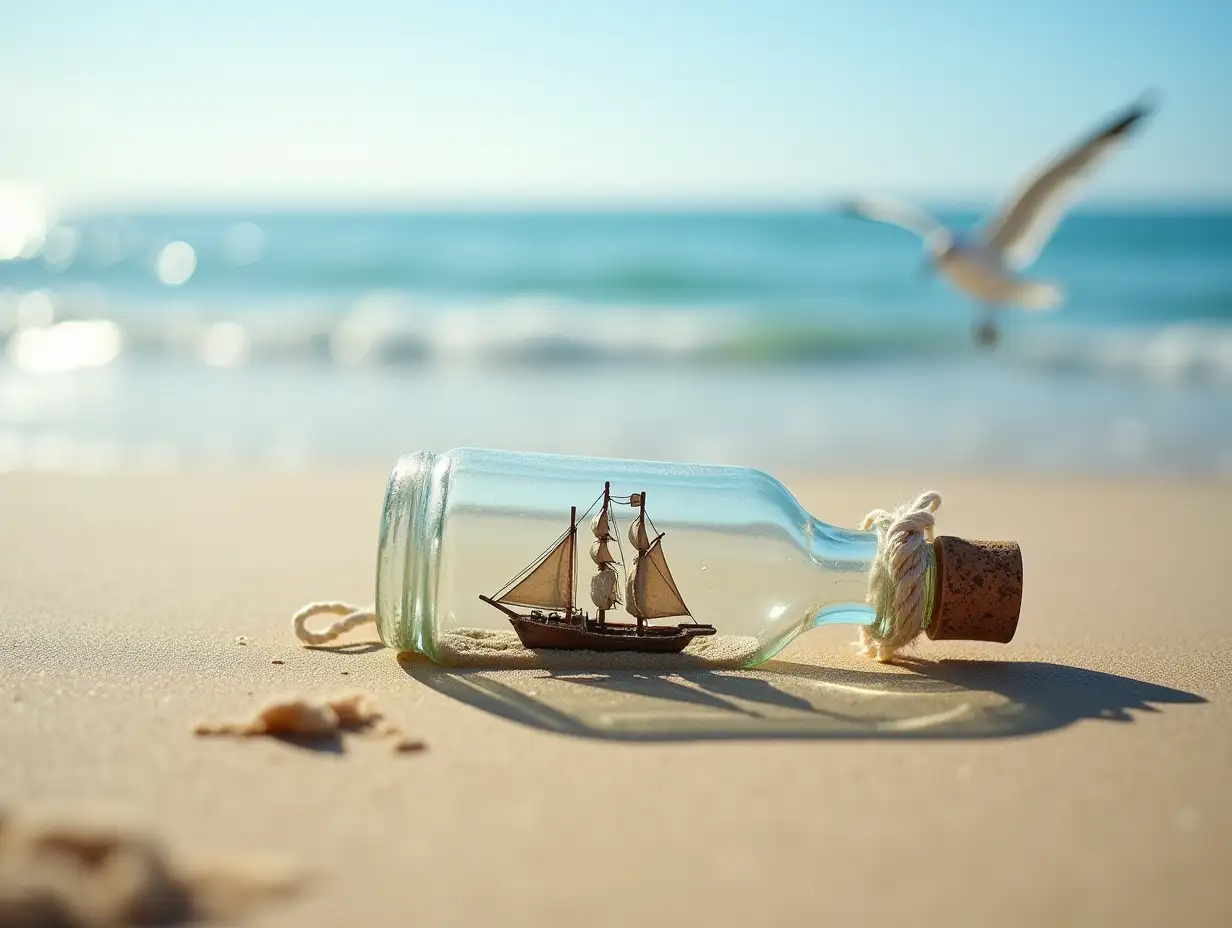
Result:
pixel 781 699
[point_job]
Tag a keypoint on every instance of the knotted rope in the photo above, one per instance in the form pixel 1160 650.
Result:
pixel 897 581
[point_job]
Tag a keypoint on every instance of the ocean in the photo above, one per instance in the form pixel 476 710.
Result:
pixel 785 340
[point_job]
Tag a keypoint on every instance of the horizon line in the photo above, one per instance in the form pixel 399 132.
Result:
pixel 511 206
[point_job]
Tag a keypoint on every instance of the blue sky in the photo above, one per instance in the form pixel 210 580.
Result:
pixel 361 102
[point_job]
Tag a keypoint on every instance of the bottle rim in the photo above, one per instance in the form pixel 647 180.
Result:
pixel 406 557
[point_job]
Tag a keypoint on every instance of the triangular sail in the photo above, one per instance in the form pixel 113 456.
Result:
pixel 599 525
pixel 651 592
pixel 550 584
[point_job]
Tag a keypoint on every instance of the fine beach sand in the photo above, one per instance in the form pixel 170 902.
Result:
pixel 482 648
pixel 1077 776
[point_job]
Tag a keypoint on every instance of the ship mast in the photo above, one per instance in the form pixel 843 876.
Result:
pixel 652 593
pixel 641 521
pixel 572 563
pixel 607 498
pixel 605 581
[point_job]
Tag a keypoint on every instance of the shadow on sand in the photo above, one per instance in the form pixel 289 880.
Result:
pixel 317 744
pixel 781 699
pixel 353 648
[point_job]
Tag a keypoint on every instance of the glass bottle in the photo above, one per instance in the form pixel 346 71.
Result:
pixel 480 548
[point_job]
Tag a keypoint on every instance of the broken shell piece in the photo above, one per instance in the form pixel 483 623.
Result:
pixel 299 716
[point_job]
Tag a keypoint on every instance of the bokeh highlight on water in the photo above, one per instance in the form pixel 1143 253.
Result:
pixel 787 340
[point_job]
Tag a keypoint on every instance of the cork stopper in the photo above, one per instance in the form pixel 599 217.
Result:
pixel 977 594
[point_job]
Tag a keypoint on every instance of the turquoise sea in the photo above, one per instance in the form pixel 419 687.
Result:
pixel 786 340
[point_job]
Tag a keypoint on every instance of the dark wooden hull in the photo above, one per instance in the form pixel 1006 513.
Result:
pixel 579 634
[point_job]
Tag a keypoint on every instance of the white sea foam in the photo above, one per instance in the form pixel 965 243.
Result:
pixel 1163 354
pixel 389 328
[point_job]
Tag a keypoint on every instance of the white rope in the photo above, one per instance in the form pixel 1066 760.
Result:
pixel 896 584
pixel 352 617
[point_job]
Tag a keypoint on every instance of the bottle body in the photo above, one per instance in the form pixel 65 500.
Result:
pixel 737 550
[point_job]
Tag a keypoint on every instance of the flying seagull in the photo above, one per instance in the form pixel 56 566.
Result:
pixel 987 264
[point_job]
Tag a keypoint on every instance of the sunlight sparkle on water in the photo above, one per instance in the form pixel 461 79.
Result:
pixel 176 263
pixel 23 222
pixel 65 346
pixel 225 344
pixel 60 247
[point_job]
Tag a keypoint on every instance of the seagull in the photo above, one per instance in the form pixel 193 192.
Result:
pixel 988 262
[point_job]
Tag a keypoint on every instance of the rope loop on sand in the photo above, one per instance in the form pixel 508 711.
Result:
pixel 352 617
pixel 898 580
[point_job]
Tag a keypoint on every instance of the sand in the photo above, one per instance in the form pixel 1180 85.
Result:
pixel 79 868
pixel 478 647
pixel 1076 776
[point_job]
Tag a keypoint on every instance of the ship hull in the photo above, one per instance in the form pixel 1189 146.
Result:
pixel 558 634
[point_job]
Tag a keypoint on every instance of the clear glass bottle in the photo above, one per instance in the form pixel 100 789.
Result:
pixel 477 543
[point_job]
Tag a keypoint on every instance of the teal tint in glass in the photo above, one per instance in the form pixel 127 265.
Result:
pixel 740 551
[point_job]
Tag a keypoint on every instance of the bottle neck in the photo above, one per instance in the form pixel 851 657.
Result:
pixel 845 560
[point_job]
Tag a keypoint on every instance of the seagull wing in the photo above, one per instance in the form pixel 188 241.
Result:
pixel 1019 232
pixel 893 212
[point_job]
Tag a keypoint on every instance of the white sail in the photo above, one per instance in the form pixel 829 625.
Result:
pixel 599 525
pixel 605 589
pixel 631 591
pixel 651 592
pixel 601 554
pixel 637 534
pixel 550 584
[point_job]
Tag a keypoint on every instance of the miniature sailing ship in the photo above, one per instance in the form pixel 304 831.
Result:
pixel 547 588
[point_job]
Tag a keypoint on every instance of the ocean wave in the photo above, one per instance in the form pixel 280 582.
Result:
pixel 1167 354
pixel 393 329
